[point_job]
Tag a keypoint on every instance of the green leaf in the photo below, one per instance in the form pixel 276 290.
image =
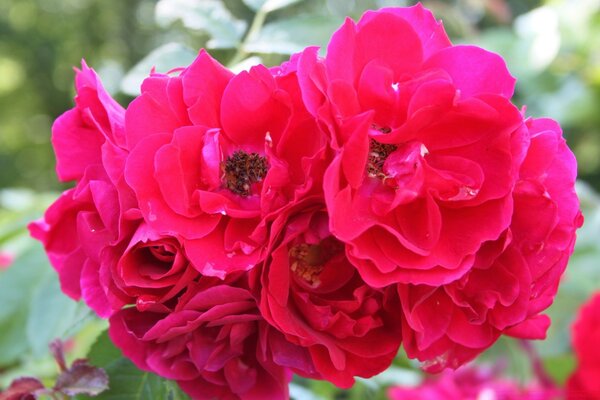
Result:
pixel 245 64
pixel 125 380
pixel 17 285
pixel 298 392
pixel 163 59
pixel 13 343
pixel 51 314
pixel 19 280
pixel 397 376
pixel 269 5
pixel 560 368
pixel 103 352
pixel 341 8
pixel 291 35
pixel 254 5
pixel 210 16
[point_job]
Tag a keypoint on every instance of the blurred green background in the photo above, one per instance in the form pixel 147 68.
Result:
pixel 552 47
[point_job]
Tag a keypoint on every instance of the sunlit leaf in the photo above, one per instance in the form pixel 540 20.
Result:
pixel 269 5
pixel 51 314
pixel 272 5
pixel 246 64
pixel 254 4
pixel 210 16
pixel 287 36
pixel 298 392
pixel 17 285
pixel 163 59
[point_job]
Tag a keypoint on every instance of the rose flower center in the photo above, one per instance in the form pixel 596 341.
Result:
pixel 241 170
pixel 307 261
pixel 378 153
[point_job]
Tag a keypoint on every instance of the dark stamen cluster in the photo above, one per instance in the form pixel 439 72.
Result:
pixel 241 170
pixel 378 153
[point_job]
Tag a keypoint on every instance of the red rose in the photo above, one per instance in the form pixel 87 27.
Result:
pixel 514 278
pixel 427 145
pixel 151 270
pixel 311 293
pixel 214 343
pixel 212 157
pixel 584 383
pixel 88 143
pixel 93 233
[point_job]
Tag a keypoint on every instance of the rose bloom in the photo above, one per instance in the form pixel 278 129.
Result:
pixel 94 234
pixel 215 155
pixel 473 383
pixel 584 383
pixel 439 185
pixel 515 277
pixel 215 344
pixel 310 292
pixel 427 145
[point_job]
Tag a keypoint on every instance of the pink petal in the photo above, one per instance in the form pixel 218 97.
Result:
pixel 474 71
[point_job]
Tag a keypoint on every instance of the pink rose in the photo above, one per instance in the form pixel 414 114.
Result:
pixel 584 383
pixel 473 383
pixel 88 144
pixel 514 278
pixel 79 135
pixel 213 157
pixel 151 270
pixel 427 145
pixel 311 293
pixel 214 343
pixel 93 233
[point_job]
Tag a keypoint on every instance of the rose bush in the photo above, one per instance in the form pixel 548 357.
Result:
pixel 311 217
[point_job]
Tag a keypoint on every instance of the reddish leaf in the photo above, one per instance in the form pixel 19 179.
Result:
pixel 82 378
pixel 22 389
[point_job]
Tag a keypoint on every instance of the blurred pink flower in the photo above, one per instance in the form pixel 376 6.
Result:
pixel 584 383
pixel 474 383
pixel 6 259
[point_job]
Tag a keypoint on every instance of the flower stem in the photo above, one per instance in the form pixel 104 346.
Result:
pixel 257 23
pixel 536 363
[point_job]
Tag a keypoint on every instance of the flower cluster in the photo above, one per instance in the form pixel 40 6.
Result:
pixel 312 217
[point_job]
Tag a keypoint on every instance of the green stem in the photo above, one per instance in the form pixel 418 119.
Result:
pixel 255 27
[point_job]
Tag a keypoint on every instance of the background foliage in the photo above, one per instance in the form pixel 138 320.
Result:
pixel 550 46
